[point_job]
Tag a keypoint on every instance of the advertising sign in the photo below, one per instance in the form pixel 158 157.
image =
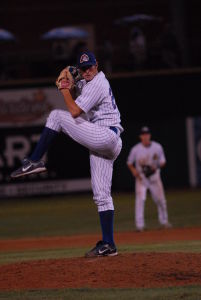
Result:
pixel 23 113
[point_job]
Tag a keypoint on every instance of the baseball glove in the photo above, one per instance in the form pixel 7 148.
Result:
pixel 148 170
pixel 68 78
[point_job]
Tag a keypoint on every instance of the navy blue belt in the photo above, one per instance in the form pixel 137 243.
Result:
pixel 114 129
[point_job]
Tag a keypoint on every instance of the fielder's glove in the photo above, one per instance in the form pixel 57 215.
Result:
pixel 68 78
pixel 148 170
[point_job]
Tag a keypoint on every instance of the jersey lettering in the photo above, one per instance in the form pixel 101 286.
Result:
pixel 112 98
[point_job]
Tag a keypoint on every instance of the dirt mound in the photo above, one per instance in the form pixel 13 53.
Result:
pixel 123 271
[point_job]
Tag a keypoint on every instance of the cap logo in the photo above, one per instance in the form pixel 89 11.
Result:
pixel 84 58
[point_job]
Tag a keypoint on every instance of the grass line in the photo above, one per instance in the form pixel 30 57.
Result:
pixel 173 293
pixel 20 256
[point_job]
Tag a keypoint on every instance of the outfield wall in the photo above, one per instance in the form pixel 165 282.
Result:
pixel 155 100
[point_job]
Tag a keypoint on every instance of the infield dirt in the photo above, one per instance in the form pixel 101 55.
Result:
pixel 123 271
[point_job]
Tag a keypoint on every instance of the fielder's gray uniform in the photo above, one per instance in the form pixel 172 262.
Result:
pixel 92 130
pixel 152 155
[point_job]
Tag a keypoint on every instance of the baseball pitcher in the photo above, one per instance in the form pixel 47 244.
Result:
pixel 92 120
pixel 145 161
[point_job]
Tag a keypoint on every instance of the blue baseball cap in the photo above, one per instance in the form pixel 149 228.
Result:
pixel 145 130
pixel 86 58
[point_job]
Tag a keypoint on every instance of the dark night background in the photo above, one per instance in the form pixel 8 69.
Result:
pixel 161 91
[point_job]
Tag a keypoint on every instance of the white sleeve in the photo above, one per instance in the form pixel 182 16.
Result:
pixel 90 95
pixel 132 156
pixel 162 158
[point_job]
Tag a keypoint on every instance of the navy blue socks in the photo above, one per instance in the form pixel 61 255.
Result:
pixel 106 220
pixel 44 142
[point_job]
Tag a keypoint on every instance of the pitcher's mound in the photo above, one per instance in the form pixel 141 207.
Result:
pixel 123 271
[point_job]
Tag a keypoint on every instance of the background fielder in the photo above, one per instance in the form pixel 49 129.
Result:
pixel 144 161
pixel 92 120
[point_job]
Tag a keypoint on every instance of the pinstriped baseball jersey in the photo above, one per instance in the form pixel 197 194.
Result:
pixel 141 155
pixel 94 132
pixel 97 101
pixel 153 155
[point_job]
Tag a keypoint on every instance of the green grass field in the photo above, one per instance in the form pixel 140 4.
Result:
pixel 183 293
pixel 69 215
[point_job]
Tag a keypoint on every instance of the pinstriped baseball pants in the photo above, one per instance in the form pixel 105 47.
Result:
pixel 104 146
pixel 157 192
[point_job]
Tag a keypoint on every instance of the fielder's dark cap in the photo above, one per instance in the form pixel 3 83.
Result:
pixel 145 130
pixel 86 58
